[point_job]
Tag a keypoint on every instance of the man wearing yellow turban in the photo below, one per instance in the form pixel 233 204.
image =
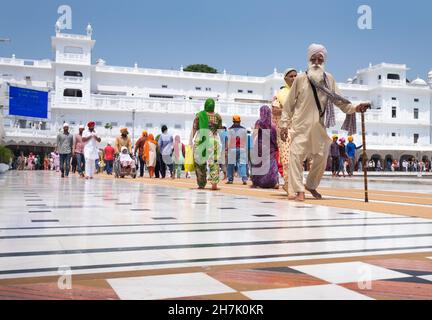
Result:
pixel 351 152
pixel 335 155
pixel 123 141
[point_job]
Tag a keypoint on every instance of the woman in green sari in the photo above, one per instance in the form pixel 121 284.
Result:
pixel 206 144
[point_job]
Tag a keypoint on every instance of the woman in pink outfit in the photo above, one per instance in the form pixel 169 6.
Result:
pixel 30 161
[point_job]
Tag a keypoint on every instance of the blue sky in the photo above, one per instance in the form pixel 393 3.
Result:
pixel 243 37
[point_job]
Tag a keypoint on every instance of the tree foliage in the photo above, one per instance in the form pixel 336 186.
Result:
pixel 6 155
pixel 200 68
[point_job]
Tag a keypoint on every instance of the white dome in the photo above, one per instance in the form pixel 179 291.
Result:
pixel 430 75
pixel 419 82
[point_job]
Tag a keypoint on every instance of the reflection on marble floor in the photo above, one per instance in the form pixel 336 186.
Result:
pixel 105 226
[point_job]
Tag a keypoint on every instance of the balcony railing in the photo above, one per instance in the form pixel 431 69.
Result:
pixel 181 74
pixel 103 102
pixel 71 100
pixel 352 86
pixel 392 83
pixel 73 79
pixel 73 57
pixel 53 129
pixel 26 62
pixel 371 116
pixel 73 36
pixel 29 132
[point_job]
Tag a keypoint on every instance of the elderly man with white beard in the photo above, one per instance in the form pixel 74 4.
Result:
pixel 308 111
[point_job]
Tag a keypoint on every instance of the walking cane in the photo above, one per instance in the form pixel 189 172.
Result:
pixel 364 157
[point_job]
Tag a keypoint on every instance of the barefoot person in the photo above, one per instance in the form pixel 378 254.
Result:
pixel 64 148
pixel 283 146
pixel 308 111
pixel 150 154
pixel 351 152
pixel 139 149
pixel 78 150
pixel 205 132
pixel 91 149
pixel 237 151
pixel 268 153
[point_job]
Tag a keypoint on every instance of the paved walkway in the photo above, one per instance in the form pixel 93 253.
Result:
pixel 164 239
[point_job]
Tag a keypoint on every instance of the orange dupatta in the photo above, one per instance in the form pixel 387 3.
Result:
pixel 150 139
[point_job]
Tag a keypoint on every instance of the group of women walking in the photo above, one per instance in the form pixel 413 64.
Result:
pixel 270 157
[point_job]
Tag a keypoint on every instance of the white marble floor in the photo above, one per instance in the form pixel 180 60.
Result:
pixel 320 292
pixel 107 225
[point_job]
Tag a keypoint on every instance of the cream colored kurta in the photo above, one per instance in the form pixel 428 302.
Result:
pixel 300 114
pixel 283 146
pixel 309 138
pixel 151 161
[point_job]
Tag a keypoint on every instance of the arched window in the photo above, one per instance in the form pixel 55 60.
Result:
pixel 73 74
pixel 72 93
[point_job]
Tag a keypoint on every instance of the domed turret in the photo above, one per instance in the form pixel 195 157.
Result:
pixel 419 82
pixel 430 78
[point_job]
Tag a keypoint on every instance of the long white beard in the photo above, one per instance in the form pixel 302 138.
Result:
pixel 316 72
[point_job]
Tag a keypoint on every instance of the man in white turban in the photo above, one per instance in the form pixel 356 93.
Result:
pixel 317 49
pixel 307 112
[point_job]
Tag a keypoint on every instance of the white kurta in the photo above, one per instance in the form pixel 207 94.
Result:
pixel 151 162
pixel 91 149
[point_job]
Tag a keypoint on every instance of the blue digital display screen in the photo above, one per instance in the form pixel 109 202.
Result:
pixel 28 102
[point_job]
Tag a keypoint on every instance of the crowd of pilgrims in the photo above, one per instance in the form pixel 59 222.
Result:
pixel 150 153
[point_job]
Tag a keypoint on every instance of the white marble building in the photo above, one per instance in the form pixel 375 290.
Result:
pixel 140 98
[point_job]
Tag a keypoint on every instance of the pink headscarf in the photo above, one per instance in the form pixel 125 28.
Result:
pixel 317 48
